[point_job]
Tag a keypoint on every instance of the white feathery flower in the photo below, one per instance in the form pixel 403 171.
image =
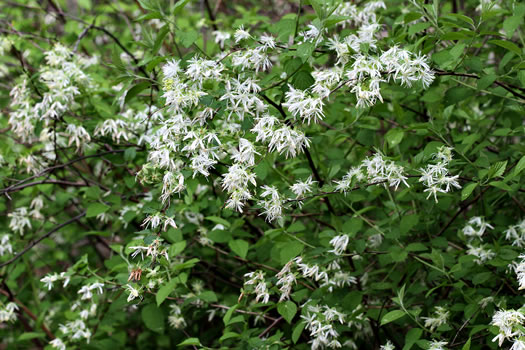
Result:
pixel 171 69
pixel 241 34
pixel 339 243
pixel 299 103
pixel 300 188
pixel 221 37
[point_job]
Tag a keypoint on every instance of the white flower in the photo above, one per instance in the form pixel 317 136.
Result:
pixel 58 344
pixel 440 317
pixel 171 69
pixel 307 107
pixel 133 293
pixel 437 345
pixel 300 188
pixel 221 37
pixel 241 34
pixel 339 243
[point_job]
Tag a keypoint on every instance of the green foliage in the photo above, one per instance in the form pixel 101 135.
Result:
pixel 114 235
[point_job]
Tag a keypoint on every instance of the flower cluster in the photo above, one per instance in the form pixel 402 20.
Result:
pixel 510 324
pixel 376 170
pixel 320 321
pixel 440 318
pixel 257 285
pixel 7 313
pixel 5 245
pixel 436 176
pixel 516 234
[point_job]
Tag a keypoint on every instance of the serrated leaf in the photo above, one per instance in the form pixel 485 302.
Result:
pixel 287 310
pixel 239 247
pixel 392 316
pixel 497 169
pixel 519 167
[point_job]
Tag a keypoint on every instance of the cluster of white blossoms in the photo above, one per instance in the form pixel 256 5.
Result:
pixel 5 245
pixel 81 310
pixel 62 75
pixel 440 317
pixel 175 319
pixel 320 321
pixel 257 285
pixel 510 324
pixel 437 345
pixel 155 249
pixel 516 234
pixel 476 227
pixel 519 269
pixel 272 203
pixel 436 176
pixel 55 277
pixel 474 231
pixel 376 170
pixel 7 313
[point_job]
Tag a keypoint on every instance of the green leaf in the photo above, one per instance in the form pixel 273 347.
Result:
pixel 218 220
pixel 229 313
pixel 187 38
pixel 239 247
pixel 302 80
pixel 497 169
pixel 290 251
pixel 208 296
pixel 467 345
pixel 412 336
pixel 418 27
pixel 519 167
pixel 467 190
pixel 507 45
pixel 177 248
pixel 31 335
pixel 511 24
pixel 96 208
pixel 179 6
pixel 408 222
pixel 486 81
pixel 287 310
pixel 501 185
pixel 394 137
pixel 160 38
pixel 190 342
pixel 392 316
pixel 305 50
pixel 165 291
pixel 135 90
pixel 297 331
pixel 153 318
pixel 229 335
